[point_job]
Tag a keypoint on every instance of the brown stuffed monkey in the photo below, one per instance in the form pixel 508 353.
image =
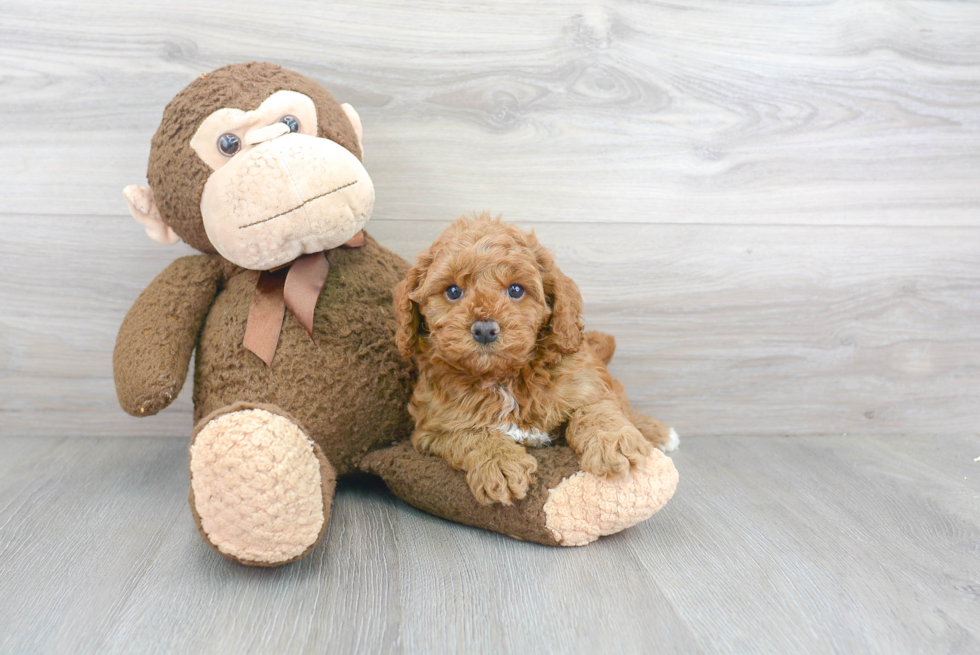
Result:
pixel 289 307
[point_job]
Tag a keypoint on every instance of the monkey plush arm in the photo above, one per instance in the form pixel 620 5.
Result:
pixel 158 335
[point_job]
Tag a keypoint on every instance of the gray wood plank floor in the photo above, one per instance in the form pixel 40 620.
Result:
pixel 775 545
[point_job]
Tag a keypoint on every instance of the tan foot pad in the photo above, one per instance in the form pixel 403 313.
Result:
pixel 256 487
pixel 584 507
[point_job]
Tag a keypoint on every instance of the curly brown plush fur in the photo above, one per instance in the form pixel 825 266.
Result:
pixel 482 396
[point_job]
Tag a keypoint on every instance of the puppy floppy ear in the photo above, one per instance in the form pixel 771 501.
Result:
pixel 565 300
pixel 408 316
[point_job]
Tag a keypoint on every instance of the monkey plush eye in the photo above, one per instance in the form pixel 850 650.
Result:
pixel 291 123
pixel 229 144
pixel 515 291
pixel 453 292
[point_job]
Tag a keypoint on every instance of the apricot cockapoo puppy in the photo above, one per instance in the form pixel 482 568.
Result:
pixel 504 363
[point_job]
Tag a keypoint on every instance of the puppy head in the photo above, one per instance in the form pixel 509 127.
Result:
pixel 485 298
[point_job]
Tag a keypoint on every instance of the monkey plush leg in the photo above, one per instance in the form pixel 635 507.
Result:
pixel 260 488
pixel 564 505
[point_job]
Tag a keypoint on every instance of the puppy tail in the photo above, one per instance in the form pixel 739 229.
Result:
pixel 604 345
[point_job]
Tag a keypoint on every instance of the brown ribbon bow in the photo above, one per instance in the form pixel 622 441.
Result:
pixel 296 286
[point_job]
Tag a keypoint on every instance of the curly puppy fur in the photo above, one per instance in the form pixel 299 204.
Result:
pixel 477 402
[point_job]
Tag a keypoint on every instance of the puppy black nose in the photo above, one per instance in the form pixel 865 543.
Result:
pixel 485 331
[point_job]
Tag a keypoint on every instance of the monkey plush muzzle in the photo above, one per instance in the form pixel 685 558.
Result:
pixel 283 198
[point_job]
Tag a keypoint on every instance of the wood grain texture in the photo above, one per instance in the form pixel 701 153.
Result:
pixel 822 112
pixel 721 329
pixel 843 533
pixel 771 545
pixel 773 206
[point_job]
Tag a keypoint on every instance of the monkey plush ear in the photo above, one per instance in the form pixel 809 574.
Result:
pixel 355 120
pixel 144 209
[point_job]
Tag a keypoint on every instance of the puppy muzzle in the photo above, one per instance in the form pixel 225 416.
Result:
pixel 485 332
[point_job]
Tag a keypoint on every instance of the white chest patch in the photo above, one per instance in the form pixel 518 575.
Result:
pixel 530 437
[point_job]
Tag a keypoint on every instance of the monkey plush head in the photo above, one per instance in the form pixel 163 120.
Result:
pixel 258 164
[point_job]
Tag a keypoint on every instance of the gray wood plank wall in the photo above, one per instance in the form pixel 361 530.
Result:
pixel 774 206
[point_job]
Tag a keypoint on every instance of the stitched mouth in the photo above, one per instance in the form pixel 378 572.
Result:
pixel 302 204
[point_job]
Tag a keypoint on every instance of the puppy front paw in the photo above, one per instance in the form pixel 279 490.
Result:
pixel 503 478
pixel 657 432
pixel 610 454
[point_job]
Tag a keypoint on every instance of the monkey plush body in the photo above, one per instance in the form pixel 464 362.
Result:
pixel 289 309
pixel 348 389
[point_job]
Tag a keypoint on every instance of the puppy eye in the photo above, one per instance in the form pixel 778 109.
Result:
pixel 290 122
pixel 453 292
pixel 515 291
